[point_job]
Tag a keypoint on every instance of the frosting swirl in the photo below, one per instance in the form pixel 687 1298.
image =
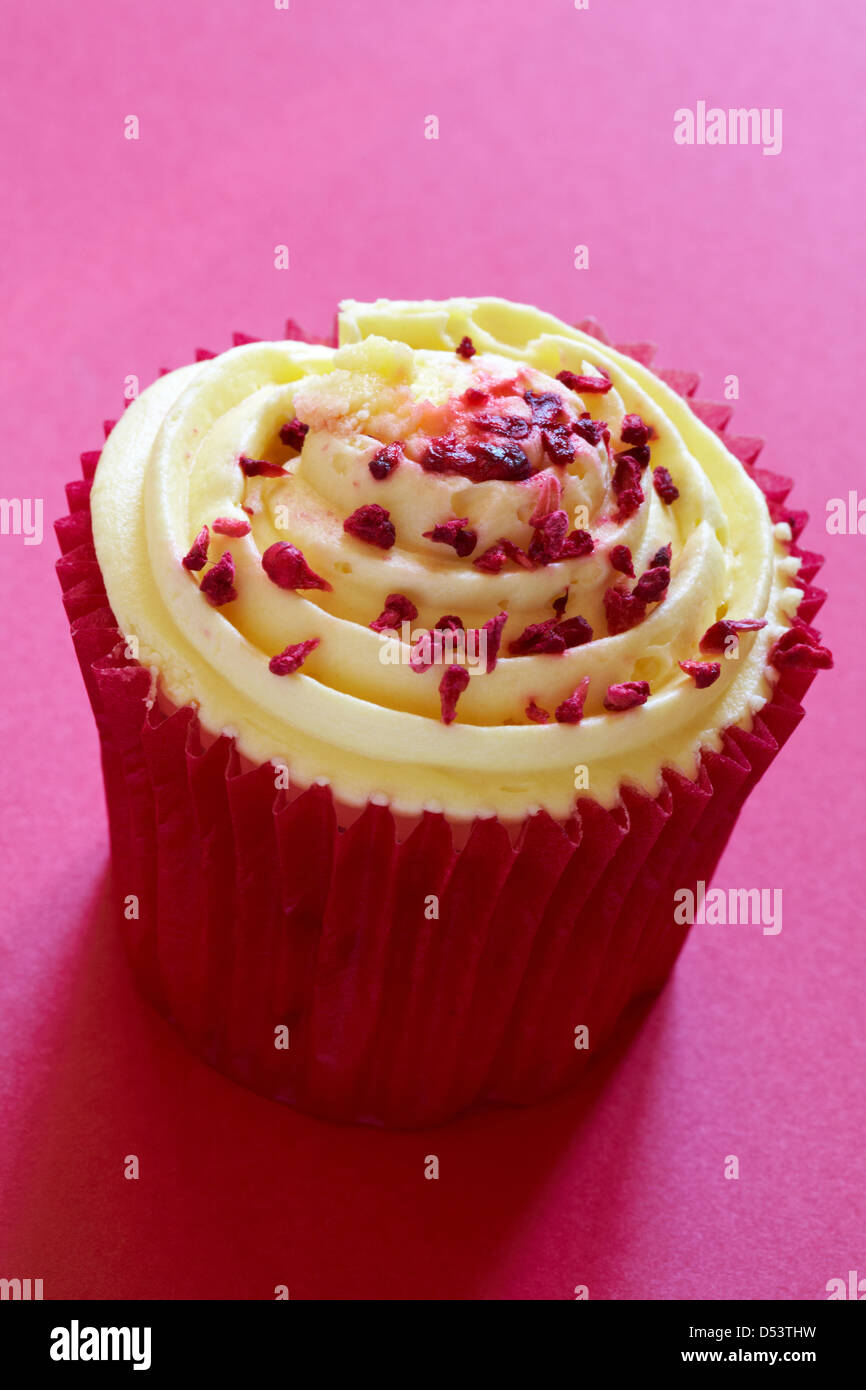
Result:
pixel 447 464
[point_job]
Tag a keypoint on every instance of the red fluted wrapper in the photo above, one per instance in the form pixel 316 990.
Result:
pixel 254 921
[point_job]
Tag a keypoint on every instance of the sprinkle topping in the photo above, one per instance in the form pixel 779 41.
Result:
pixel 385 460
pixel 538 639
pixel 398 609
pixel 633 430
pixel 571 710
pixel 371 524
pixel 622 610
pixel 454 681
pixel 626 695
pixel 652 585
pixel 218 584
pixel 456 533
pixel 292 658
pixel 549 538
pixel 626 484
pixel 716 638
pixel 232 526
pixel 575 632
pixel 703 673
pixel 260 468
pixel 536 713
pixel 293 433
pixel 586 385
pixel 286 567
pixel 578 544
pixel 196 556
pixel 493 627
pixel 620 559
pixel 665 486
pixel 593 431
pixel 473 395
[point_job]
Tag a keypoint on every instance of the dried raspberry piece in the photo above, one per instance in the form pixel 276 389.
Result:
pixel 512 426
pixel 218 584
pixel 466 349
pixel 634 430
pixel 639 452
pixel 626 485
pixel 560 603
pixel 548 490
pixel 260 468
pixel 661 557
pixel 593 431
pixel 575 632
pixel 383 463
pixel 536 713
pixel 571 710
pixel 473 396
pixel 652 585
pixel 232 526
pixel 703 673
pixel 597 385
pixel 421 654
pixel 454 681
pixel 455 533
pixel 630 501
pixel 286 567
pixel 398 608
pixel 293 433
pixel 558 444
pixel 620 559
pixel 665 485
pixel 578 544
pixel 448 623
pixel 623 611
pixel 548 539
pixel 627 473
pixel 546 406
pixel 372 524
pixel 447 455
pixel 492 560
pixel 626 695
pixel 715 638
pixel 515 553
pixel 539 639
pixel 798 649
pixel 196 556
pixel 505 462
pixel 493 627
pixel 292 657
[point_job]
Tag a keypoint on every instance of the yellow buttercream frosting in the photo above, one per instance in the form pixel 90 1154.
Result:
pixel 358 714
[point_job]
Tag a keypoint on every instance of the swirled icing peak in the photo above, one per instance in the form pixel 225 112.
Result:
pixel 452 561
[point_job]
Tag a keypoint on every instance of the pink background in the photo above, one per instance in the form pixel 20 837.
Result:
pixel 260 127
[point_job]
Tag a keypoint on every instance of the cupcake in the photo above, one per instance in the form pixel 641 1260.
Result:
pixel 427 667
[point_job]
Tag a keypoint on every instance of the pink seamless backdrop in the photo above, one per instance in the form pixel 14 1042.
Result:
pixel 259 127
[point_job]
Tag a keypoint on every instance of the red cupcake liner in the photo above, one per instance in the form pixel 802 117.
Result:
pixel 244 908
